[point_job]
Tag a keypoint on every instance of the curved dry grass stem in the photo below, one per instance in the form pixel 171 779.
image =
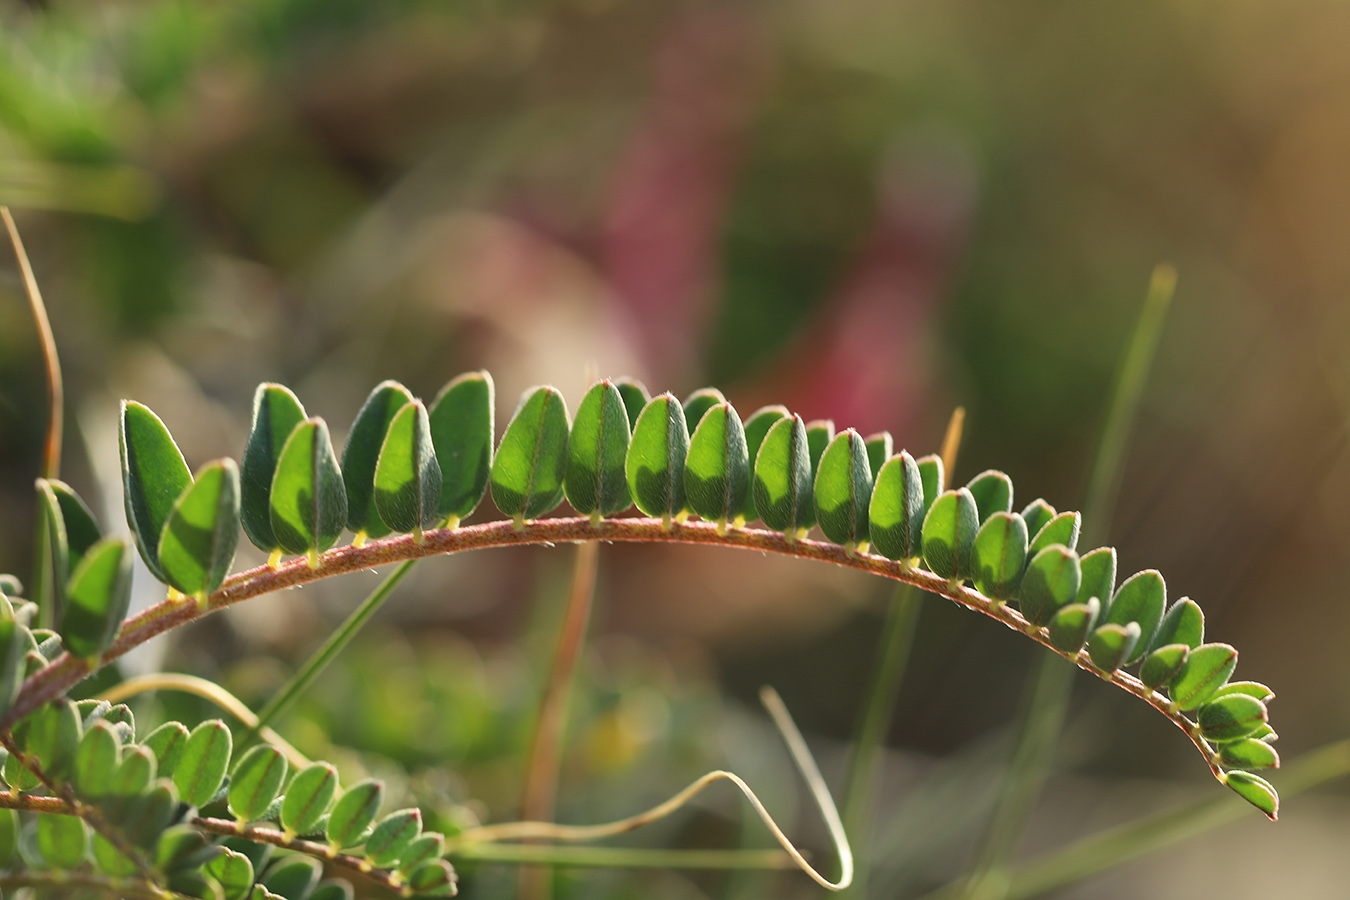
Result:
pixel 65 671
pixel 801 755
pixel 209 690
pixel 51 450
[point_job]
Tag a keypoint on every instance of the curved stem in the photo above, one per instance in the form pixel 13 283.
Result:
pixel 65 671
pixel 125 888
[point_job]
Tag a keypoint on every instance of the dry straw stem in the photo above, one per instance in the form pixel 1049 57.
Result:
pixel 66 671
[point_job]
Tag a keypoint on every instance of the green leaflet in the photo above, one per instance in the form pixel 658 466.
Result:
pixel 14 638
pixel 196 547
pixel 933 478
pixel 1203 673
pixel 361 454
pixel 262 893
pixel 1250 688
pixel 10 585
pixel 73 530
pixel 292 876
pixel 309 501
pixel 1162 665
pixel 880 447
pixel 1256 791
pixel 16 774
pixel 1069 628
pixel 181 847
pixel 1000 555
pixel 782 482
pixel 819 434
pixel 1140 598
pixel 717 467
pixel 1249 753
pixel 1183 624
pixel 756 428
pixel 154 476
pixel 233 872
pixel 392 835
pixel 134 773
pixel 433 878
pixel 1099 576
pixel 256 782
pixel 54 737
pixel 96 760
pixel 110 860
pixel 167 742
pixel 895 516
pixel 1051 583
pixel 308 798
pixel 428 845
pixel 993 492
pixel 843 489
pixel 331 890
pixel 97 598
pixel 1110 645
pixel 697 404
pixel 1038 514
pixel 1231 718
pixel 635 397
pixel 147 815
pixel 276 412
pixel 201 767
pixel 462 431
pixel 655 464
pixel 949 535
pixel 353 813
pixel 62 841
pixel 531 462
pixel 1062 529
pixel 407 475
pixel 596 484
pixel 9 838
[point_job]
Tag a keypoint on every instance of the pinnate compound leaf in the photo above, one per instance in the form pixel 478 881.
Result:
pixel 1256 791
pixel 293 877
pixel 97 598
pixel 196 547
pixel 308 798
pixel 1204 672
pixel 655 464
pixel 596 483
pixel 1099 576
pixel 531 462
pixel 1062 529
pixel 276 413
pixel 1000 555
pixel 717 467
pixel 233 872
pixel 880 447
pixel 895 516
pixel 782 481
pixel 154 476
pixel 462 432
pixel 167 742
pixel 1184 623
pixel 256 782
pixel 756 428
pixel 1231 718
pixel 933 477
pixel 1249 753
pixel 1037 514
pixel 843 489
pixel 1051 583
pixel 1250 688
pixel 63 841
pixel 635 398
pixel 385 846
pixel 205 757
pixel 353 813
pixel 949 532
pixel 1162 665
pixel 1111 644
pixel 697 404
pixel 361 454
pixel 1141 598
pixel 1069 628
pixel 407 475
pixel 434 878
pixel 309 501
pixel 96 760
pixel 73 529
pixel 993 492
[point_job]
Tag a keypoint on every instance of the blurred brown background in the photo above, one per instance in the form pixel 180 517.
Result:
pixel 870 211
